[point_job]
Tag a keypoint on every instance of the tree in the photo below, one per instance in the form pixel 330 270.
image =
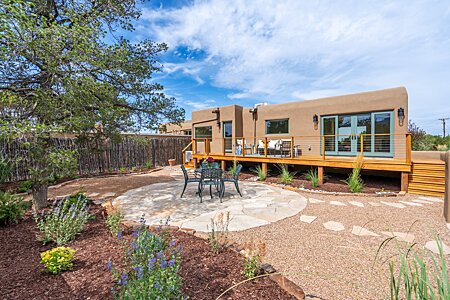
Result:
pixel 417 135
pixel 57 74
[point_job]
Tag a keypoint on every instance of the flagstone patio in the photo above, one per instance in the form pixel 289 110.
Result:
pixel 261 204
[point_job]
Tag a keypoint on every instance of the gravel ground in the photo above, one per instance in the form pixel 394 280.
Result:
pixel 340 265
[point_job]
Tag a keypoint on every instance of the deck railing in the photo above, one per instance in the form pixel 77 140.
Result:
pixel 393 146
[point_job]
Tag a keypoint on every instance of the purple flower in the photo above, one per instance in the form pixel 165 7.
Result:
pixel 135 233
pixel 172 262
pixel 151 263
pixel 54 202
pixel 139 272
pixel 159 255
pixel 157 285
pixel 172 243
pixel 109 265
pixel 119 236
pixel 133 245
pixel 163 264
pixel 124 278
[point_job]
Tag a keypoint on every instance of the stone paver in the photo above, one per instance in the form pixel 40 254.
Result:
pixel 432 199
pixel 361 231
pixel 260 205
pixel 374 203
pixel 334 226
pixel 307 219
pixel 93 195
pixel 401 236
pixel 356 203
pixel 393 204
pixel 108 195
pixel 315 201
pixel 411 203
pixel 337 203
pixel 422 201
pixel 433 247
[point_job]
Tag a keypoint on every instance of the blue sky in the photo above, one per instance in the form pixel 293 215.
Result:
pixel 245 52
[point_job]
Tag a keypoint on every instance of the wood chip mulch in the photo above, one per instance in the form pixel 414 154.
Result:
pixel 205 275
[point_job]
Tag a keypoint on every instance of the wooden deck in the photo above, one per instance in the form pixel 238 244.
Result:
pixel 378 164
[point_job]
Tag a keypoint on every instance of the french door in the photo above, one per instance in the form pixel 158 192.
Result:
pixel 342 134
pixel 228 136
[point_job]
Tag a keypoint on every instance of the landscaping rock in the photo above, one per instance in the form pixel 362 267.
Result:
pixel 374 203
pixel 312 200
pixel 401 236
pixel 361 231
pixel 411 203
pixel 307 219
pixel 422 201
pixel 433 247
pixel 356 203
pixel 432 199
pixel 108 195
pixel 393 204
pixel 334 226
pixel 337 203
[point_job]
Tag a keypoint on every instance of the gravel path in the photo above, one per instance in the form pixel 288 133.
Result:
pixel 338 264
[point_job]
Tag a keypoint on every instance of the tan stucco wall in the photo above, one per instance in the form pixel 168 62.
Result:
pixel 178 129
pixel 300 115
pixel 426 155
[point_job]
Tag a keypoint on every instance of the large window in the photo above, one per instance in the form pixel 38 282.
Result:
pixel 203 132
pixel 277 126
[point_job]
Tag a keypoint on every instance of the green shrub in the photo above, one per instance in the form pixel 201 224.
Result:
pixel 63 221
pixel 58 259
pixel 122 170
pixel 312 176
pixel 12 207
pixel 148 164
pixel 254 253
pixel 260 173
pixel 411 277
pixel 114 218
pixel 232 170
pixel 152 264
pixel 5 169
pixel 25 186
pixel 285 176
pixel 354 181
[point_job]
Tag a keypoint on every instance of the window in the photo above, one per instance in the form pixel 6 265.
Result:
pixel 277 126
pixel 188 132
pixel 203 132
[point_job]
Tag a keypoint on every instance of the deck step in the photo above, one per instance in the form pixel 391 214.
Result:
pixel 427 178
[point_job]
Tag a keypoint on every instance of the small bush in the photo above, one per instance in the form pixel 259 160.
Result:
pixel 260 173
pixel 218 234
pixel 122 170
pixel 152 264
pixel 12 208
pixel 114 218
pixel 148 164
pixel 25 186
pixel 312 176
pixel 354 181
pixel 58 259
pixel 285 176
pixel 254 253
pixel 63 221
pixel 232 170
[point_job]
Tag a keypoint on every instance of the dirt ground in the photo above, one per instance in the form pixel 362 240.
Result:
pixel 205 275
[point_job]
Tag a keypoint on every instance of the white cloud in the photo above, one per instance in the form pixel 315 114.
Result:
pixel 287 50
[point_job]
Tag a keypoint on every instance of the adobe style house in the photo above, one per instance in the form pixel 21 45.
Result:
pixel 328 132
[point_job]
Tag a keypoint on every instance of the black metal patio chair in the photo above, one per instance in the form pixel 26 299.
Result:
pixel 187 179
pixel 234 178
pixel 211 177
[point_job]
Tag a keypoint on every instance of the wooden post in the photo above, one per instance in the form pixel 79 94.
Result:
pixel 361 140
pixel 207 145
pixel 194 146
pixel 292 147
pixel 323 147
pixel 243 148
pixel 320 175
pixel 408 148
pixel 223 146
pixel 446 157
pixel 405 182
pixel 264 168
pixel 195 163
pixel 265 147
pixel 223 164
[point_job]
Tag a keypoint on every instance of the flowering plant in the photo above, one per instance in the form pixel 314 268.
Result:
pixel 209 159
pixel 63 221
pixel 58 259
pixel 152 264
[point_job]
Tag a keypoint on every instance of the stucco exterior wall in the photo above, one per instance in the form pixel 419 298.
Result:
pixel 300 115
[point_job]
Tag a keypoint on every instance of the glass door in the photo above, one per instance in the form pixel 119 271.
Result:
pixel 329 133
pixel 228 136
pixel 345 139
pixel 383 142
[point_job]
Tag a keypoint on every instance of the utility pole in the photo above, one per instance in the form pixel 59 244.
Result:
pixel 443 123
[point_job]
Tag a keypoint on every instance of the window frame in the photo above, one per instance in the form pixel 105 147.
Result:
pixel 272 120
pixel 200 138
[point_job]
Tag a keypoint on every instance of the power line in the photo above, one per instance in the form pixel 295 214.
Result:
pixel 443 124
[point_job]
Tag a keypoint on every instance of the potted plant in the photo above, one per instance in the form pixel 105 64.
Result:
pixel 172 162
pixel 210 161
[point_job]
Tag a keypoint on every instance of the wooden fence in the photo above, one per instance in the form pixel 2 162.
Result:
pixel 102 156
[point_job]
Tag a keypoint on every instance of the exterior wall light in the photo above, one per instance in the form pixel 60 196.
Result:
pixel 315 121
pixel 401 116
pixel 217 112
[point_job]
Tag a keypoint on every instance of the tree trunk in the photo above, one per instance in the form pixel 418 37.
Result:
pixel 40 191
